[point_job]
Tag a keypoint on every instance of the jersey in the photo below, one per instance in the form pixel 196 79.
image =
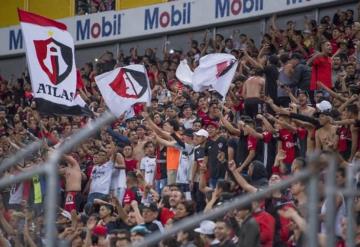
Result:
pixel 148 165
pixel 101 178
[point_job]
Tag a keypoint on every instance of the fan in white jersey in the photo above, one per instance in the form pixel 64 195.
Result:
pixel 148 163
pixel 100 179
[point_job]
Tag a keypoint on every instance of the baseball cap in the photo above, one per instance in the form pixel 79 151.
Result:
pixel 202 132
pixel 207 227
pixel 324 106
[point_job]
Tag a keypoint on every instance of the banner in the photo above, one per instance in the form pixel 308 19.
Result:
pixel 51 63
pixel 158 19
pixel 121 88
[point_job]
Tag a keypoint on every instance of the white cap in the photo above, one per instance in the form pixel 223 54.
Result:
pixel 324 106
pixel 202 132
pixel 207 227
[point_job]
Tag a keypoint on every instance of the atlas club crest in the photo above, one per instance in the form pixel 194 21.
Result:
pixel 224 67
pixel 129 83
pixel 55 59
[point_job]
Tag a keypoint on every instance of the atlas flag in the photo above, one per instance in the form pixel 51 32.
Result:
pixel 50 58
pixel 123 87
pixel 215 72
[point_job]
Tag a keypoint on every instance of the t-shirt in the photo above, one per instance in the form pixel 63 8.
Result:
pixel 118 179
pixel 148 165
pixel 130 165
pixel 271 75
pixel 161 164
pixel 16 193
pixel 288 145
pixel 212 149
pixel 344 137
pixel 321 71
pixel 199 154
pixel 131 194
pixel 270 145
pixel 101 178
pixel 185 164
pixel 172 158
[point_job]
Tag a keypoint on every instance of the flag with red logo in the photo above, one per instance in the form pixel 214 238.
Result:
pixel 215 72
pixel 50 58
pixel 123 87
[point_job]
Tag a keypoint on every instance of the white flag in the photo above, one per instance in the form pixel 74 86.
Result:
pixel 123 87
pixel 215 72
pixel 184 73
pixel 50 58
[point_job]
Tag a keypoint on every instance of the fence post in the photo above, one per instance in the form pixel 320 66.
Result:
pixel 51 202
pixel 350 232
pixel 313 223
pixel 330 203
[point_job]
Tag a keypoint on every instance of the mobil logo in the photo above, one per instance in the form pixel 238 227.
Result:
pixel 172 17
pixel 88 28
pixel 225 8
pixel 15 39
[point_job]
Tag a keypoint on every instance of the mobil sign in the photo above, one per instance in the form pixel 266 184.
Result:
pixel 163 16
pixel 226 8
pixel 98 27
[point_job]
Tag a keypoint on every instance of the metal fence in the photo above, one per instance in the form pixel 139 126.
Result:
pixel 310 176
pixel 50 169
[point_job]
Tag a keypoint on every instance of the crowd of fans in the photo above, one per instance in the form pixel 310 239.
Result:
pixel 93 6
pixel 296 93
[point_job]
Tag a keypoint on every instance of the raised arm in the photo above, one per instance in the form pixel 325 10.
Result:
pixel 229 126
pixel 240 179
pixel 267 124
pixel 163 134
pixel 71 161
pixel 348 102
pixel 165 142
pixel 119 161
pixel 331 92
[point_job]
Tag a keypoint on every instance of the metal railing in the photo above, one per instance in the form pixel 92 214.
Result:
pixel 50 169
pixel 310 176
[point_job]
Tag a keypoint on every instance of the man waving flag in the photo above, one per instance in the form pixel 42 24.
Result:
pixel 121 88
pixel 50 57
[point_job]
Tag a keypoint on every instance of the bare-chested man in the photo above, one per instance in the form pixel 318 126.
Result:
pixel 253 90
pixel 326 137
pixel 304 108
pixel 73 177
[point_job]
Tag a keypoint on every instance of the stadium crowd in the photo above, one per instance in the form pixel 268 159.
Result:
pixel 296 93
pixel 84 7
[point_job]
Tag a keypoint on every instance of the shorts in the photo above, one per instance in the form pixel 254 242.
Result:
pixel 252 106
pixel 72 201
